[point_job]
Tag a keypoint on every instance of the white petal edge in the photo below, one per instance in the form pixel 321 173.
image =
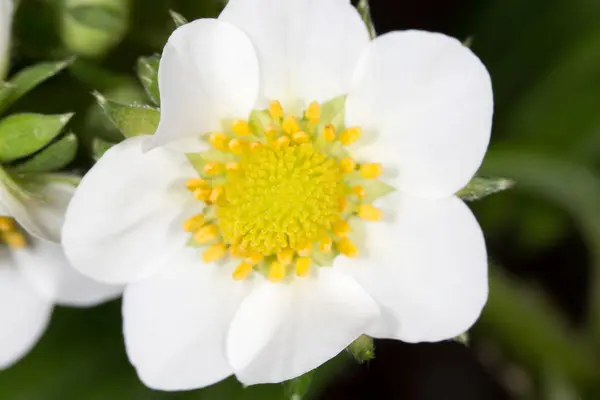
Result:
pixel 425 103
pixel 175 323
pixel 208 74
pixel 44 264
pixel 307 48
pixel 43 214
pixel 6 14
pixel 425 265
pixel 125 220
pixel 284 330
pixel 24 314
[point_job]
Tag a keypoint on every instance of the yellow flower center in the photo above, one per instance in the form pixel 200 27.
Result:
pixel 10 234
pixel 279 193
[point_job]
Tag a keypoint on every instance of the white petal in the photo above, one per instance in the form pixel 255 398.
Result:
pixel 43 214
pixel 307 48
pixel 24 314
pixel 175 323
pixel 45 265
pixel 427 269
pixel 282 331
pixel 125 220
pixel 426 101
pixel 208 72
pixel 6 14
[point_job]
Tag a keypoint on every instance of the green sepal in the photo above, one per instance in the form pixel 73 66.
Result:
pixel 53 158
pixel 259 121
pixel 297 388
pixel 364 9
pixel 374 188
pixel 362 349
pixel 27 79
pixel 147 71
pixel 199 160
pixel 323 259
pixel 178 19
pixel 333 112
pixel 463 338
pixel 99 147
pixel 25 134
pixel 480 187
pixel 132 120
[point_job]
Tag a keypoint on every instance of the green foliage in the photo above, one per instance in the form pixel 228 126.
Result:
pixel 24 134
pixel 481 187
pixel 147 70
pixel 54 157
pixel 132 120
pixel 297 388
pixel 364 9
pixel 178 19
pixel 362 349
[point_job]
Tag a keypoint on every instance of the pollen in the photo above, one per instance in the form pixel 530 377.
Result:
pixel 303 265
pixel 219 141
pixel 369 213
pixel 348 165
pixel 329 133
pixel 195 184
pixel 7 224
pixel 275 110
pixel 215 252
pixel 313 113
pixel 347 248
pixel 350 136
pixel 206 234
pixel 194 223
pixel 276 272
pixel 242 271
pixel 371 171
pixel 236 146
pixel 213 168
pixel 241 128
pixel 290 125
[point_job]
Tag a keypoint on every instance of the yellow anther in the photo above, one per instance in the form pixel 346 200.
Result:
pixel 195 184
pixel 281 142
pixel 350 136
pixel 276 272
pixel 304 250
pixel 237 146
pixel 7 224
pixel 290 125
pixel 202 194
pixel 347 248
pixel 194 223
pixel 215 252
pixel 285 256
pixel 301 137
pixel 329 133
pixel 241 128
pixel 303 265
pixel 371 171
pixel 237 252
pixel 255 146
pixel 232 166
pixel 254 258
pixel 347 165
pixel 276 110
pixel 313 112
pixel 213 168
pixel 325 244
pixel 206 234
pixel 360 192
pixel 14 239
pixel 215 194
pixel 369 213
pixel 219 141
pixel 341 228
pixel 270 133
pixel 242 271
pixel 343 204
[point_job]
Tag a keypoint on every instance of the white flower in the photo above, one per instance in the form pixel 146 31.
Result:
pixel 6 12
pixel 286 194
pixel 34 276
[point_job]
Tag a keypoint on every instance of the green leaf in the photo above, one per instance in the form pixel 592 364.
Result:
pixel 97 16
pixel 463 338
pixel 132 120
pixel 99 147
pixel 480 187
pixel 147 70
pixel 27 79
pixel 365 12
pixel 296 389
pixel 53 158
pixel 362 349
pixel 178 19
pixel 24 134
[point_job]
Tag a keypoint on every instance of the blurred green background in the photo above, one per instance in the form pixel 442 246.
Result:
pixel 539 336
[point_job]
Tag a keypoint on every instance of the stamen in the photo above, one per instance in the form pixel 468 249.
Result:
pixel 313 113
pixel 195 184
pixel 360 192
pixel 343 204
pixel 236 146
pixel 371 171
pixel 237 252
pixel 348 165
pixel 325 244
pixel 232 166
pixel 194 223
pixel 242 271
pixel 369 213
pixel 254 146
pixel 219 141
pixel 202 194
pixel 206 234
pixel 350 136
pixel 270 133
pixel 329 133
pixel 276 272
pixel 341 228
pixel 215 194
pixel 7 224
pixel 347 248
pixel 300 137
pixel 283 141
pixel 285 256
pixel 303 265
pixel 14 239
pixel 254 258
pixel 241 128
pixel 290 125
pixel 305 249
pixel 276 110
pixel 215 252
pixel 213 168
